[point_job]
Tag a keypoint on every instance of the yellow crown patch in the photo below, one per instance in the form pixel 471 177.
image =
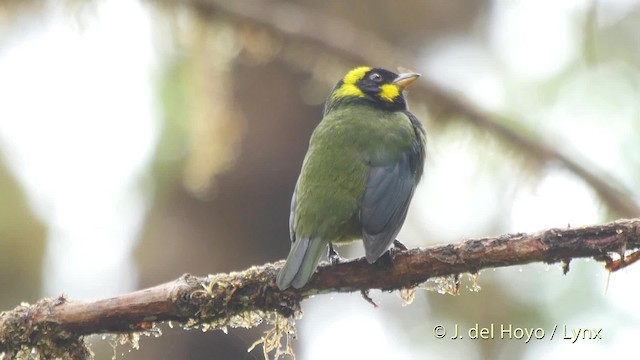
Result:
pixel 348 87
pixel 355 75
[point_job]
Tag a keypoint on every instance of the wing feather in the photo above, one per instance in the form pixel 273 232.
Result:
pixel 385 202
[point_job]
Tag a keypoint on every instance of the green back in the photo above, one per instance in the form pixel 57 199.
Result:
pixel 345 144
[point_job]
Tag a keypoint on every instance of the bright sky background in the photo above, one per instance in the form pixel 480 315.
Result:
pixel 78 140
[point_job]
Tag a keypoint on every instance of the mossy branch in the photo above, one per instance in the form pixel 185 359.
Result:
pixel 56 327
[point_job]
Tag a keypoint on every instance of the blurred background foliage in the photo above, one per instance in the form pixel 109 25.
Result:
pixel 143 140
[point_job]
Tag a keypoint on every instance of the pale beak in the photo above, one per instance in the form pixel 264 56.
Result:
pixel 405 79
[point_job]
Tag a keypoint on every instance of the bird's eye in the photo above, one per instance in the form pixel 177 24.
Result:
pixel 375 77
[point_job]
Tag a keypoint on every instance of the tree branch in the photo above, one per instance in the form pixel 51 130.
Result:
pixel 234 298
pixel 356 45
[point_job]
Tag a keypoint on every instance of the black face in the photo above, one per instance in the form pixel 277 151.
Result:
pixel 376 88
pixel 371 85
pixel 373 79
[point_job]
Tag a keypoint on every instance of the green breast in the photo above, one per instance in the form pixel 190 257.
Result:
pixel 334 172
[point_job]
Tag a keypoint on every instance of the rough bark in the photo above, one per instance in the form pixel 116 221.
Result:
pixel 54 326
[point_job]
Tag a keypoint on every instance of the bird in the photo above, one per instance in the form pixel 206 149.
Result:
pixel 364 161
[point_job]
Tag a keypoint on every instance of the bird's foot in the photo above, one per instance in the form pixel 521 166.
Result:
pixel 334 257
pixel 399 245
pixel 386 259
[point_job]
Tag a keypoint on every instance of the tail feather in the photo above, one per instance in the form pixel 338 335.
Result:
pixel 301 263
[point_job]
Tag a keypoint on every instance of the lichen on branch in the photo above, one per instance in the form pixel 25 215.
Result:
pixel 55 328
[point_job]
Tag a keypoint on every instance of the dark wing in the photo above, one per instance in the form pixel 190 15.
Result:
pixel 385 202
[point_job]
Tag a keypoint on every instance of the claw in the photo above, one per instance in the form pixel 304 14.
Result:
pixel 334 257
pixel 398 245
pixel 386 259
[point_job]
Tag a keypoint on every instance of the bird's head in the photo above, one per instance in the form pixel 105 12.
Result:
pixel 375 86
